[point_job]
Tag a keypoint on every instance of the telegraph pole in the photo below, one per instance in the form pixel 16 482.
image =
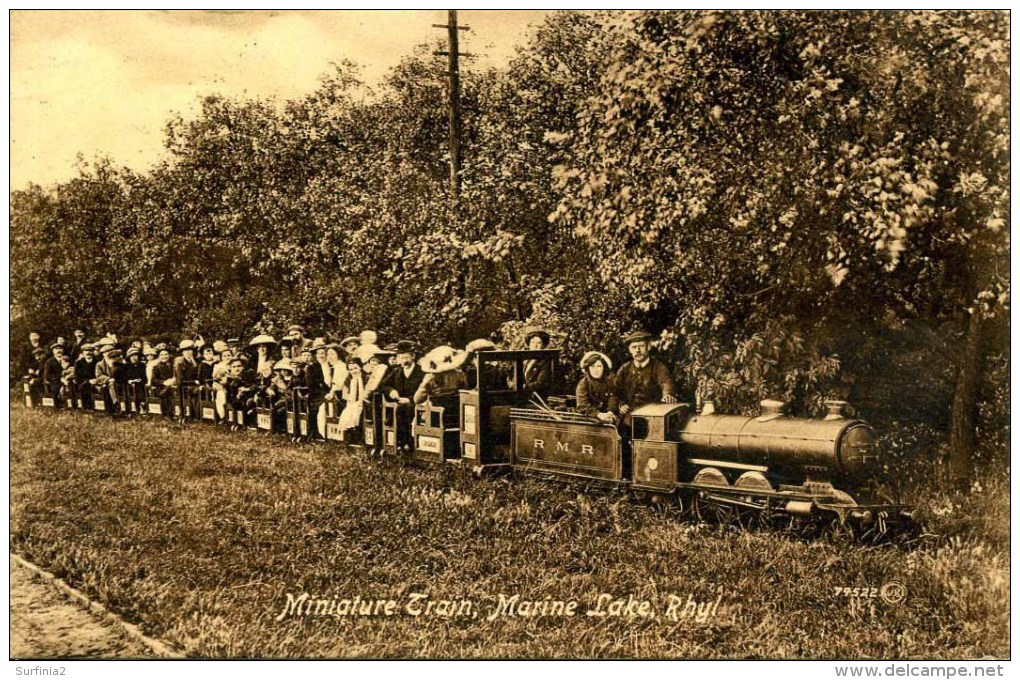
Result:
pixel 453 74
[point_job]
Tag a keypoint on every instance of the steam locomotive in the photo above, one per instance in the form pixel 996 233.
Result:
pixel 724 466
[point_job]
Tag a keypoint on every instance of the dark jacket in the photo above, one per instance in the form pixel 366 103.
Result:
pixel 315 381
pixel 185 371
pixel 75 350
pixel 596 396
pixel 52 372
pixel 537 377
pixel 205 372
pixel 405 386
pixel 636 386
pixel 85 370
pixel 134 372
pixel 160 374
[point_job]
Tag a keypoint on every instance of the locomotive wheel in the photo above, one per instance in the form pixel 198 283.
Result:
pixel 705 509
pixel 753 482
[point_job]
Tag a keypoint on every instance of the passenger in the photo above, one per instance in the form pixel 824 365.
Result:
pixel 162 382
pixel 443 377
pixel 67 387
pixel 135 377
pixel 354 396
pixel 296 333
pixel 151 355
pixel 338 371
pixel 493 378
pixel 400 385
pixel 29 362
pixel 367 347
pixel 109 372
pixel 263 346
pixel 643 380
pixel 240 387
pixel 286 350
pixel 52 370
pixel 376 369
pixel 350 345
pixel 234 345
pixel 278 391
pixel 205 369
pixel 186 374
pixel 84 372
pixel 537 373
pixel 79 339
pixel 318 376
pixel 35 374
pixel 595 390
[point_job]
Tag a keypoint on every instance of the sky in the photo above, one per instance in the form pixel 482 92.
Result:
pixel 105 82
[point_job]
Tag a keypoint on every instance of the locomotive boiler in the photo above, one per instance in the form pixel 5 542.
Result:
pixel 724 465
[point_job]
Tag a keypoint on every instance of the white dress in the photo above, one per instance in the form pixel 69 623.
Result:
pixel 354 392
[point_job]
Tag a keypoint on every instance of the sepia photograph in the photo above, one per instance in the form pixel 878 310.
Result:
pixel 510 335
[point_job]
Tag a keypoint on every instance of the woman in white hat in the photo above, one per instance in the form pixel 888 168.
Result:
pixel 263 346
pixel 596 397
pixel 443 375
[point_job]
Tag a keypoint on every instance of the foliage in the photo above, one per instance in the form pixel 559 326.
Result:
pixel 784 197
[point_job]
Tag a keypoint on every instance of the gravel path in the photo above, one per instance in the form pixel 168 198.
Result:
pixel 46 625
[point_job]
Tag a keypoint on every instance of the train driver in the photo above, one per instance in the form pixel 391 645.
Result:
pixel 643 379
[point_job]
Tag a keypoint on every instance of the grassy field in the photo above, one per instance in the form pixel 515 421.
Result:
pixel 199 535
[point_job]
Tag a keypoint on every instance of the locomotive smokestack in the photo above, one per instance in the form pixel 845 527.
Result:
pixel 837 409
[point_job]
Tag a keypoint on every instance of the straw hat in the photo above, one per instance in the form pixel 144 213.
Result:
pixel 443 358
pixel 261 340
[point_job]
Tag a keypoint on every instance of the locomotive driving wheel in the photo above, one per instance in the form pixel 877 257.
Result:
pixel 753 482
pixel 705 503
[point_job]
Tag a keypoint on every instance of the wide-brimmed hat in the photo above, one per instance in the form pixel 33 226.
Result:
pixel 405 347
pixel 368 337
pixel 480 345
pixel 637 335
pixel 590 358
pixel 366 351
pixel 443 358
pixel 186 344
pixel 350 339
pixel 219 346
pixel 262 340
pixel 283 365
pixel 150 351
pixel 534 331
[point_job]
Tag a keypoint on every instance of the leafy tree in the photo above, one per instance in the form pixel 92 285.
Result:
pixel 743 169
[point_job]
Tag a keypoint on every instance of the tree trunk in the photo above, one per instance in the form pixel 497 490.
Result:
pixel 961 421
